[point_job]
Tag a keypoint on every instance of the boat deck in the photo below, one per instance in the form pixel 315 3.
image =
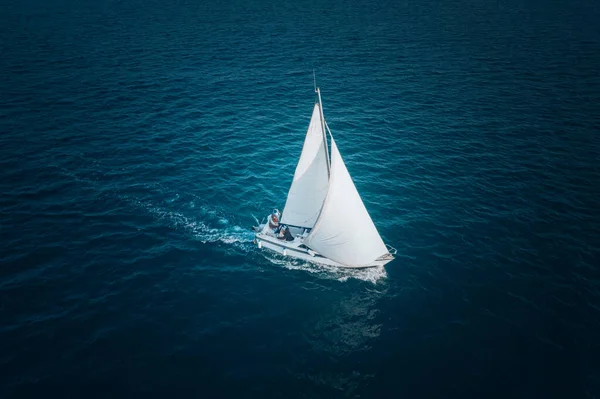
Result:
pixel 296 249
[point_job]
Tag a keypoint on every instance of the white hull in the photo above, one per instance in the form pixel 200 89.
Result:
pixel 295 249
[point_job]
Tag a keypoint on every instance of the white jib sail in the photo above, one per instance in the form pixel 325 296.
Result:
pixel 345 232
pixel 309 187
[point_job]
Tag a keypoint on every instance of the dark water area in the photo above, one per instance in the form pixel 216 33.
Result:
pixel 139 139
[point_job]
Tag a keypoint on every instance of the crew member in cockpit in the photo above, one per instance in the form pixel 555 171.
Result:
pixel 274 221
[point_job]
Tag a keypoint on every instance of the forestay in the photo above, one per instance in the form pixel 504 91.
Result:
pixel 309 187
pixel 345 232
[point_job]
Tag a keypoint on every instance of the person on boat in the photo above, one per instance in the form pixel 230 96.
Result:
pixel 285 234
pixel 274 221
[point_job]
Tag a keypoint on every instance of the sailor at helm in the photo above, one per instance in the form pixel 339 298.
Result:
pixel 274 220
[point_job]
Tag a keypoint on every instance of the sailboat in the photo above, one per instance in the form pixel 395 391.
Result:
pixel 324 218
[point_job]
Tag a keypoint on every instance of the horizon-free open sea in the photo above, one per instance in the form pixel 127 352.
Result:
pixel 138 139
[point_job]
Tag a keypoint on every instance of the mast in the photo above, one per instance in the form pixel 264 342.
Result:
pixel 318 91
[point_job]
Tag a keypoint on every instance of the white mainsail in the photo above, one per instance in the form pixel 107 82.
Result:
pixel 311 180
pixel 344 231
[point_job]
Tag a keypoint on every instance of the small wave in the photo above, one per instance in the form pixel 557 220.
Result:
pixel 371 274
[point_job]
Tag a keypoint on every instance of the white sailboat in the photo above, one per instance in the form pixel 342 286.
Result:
pixel 326 219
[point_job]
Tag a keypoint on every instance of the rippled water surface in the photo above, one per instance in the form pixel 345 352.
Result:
pixel 139 139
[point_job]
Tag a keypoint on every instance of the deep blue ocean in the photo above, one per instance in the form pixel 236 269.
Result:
pixel 139 139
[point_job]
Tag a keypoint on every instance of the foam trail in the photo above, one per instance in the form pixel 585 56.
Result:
pixel 229 234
